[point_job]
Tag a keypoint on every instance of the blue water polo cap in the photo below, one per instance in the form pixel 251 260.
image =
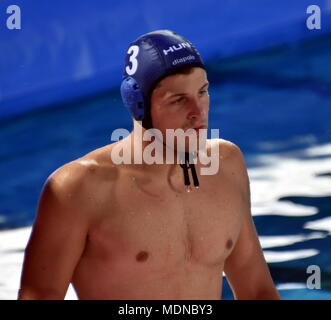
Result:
pixel 148 59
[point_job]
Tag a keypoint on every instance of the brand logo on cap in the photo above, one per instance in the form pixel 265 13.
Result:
pixel 183 60
pixel 180 46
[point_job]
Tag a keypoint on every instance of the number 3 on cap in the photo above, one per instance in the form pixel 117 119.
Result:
pixel 134 62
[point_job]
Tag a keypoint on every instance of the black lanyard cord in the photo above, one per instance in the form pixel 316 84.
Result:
pixel 186 175
pixel 194 175
pixel 186 166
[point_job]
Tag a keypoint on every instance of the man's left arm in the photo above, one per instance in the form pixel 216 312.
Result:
pixel 246 269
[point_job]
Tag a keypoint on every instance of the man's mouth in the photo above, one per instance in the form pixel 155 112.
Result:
pixel 200 127
pixel 196 129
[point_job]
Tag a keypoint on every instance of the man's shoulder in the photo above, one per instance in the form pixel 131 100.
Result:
pixel 232 162
pixel 80 174
pixel 227 149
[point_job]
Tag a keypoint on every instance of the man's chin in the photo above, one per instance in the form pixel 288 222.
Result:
pixel 185 149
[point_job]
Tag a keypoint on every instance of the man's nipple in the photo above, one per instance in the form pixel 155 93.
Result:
pixel 229 244
pixel 142 256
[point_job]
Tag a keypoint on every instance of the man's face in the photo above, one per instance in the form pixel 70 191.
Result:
pixel 181 101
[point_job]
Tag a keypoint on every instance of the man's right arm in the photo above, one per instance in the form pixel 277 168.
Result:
pixel 58 236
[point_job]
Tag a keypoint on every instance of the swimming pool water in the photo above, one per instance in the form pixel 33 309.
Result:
pixel 275 105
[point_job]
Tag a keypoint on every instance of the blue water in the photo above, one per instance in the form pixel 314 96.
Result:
pixel 275 102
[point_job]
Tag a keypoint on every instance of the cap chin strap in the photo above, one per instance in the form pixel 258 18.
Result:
pixel 147 122
pixel 186 165
pixel 185 159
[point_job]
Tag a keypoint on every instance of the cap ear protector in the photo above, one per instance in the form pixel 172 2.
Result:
pixel 150 58
pixel 133 98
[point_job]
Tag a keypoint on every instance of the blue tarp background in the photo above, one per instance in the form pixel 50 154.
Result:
pixel 69 49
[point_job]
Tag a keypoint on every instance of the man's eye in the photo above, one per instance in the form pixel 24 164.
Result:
pixel 179 100
pixel 202 92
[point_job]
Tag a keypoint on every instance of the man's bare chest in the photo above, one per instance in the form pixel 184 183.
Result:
pixel 164 229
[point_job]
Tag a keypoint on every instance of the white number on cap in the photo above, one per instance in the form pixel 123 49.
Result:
pixel 134 62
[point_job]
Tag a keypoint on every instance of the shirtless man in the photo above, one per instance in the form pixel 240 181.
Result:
pixel 132 231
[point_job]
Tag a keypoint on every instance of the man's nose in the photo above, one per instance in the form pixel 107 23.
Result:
pixel 196 110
